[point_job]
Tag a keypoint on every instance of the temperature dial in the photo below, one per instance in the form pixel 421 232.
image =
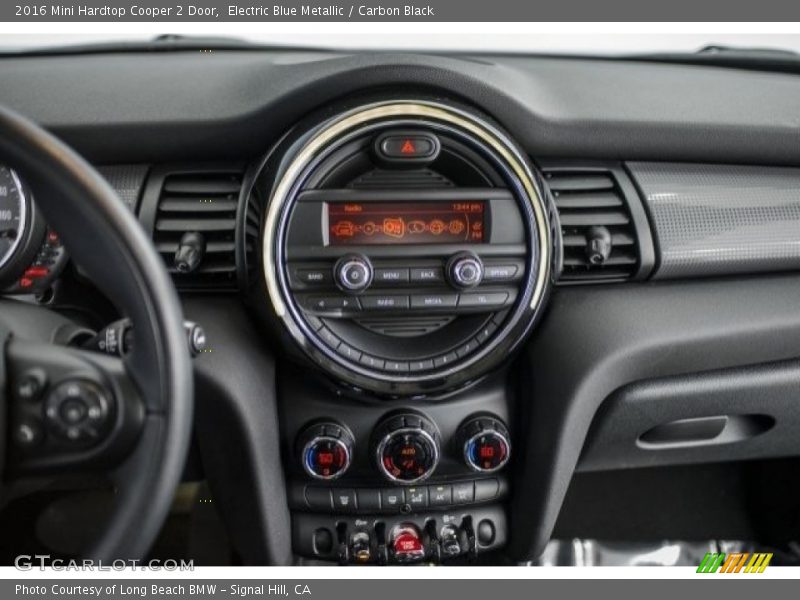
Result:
pixel 326 450
pixel 407 448
pixel 484 443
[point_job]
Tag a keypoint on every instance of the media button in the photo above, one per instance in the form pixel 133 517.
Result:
pixel 434 300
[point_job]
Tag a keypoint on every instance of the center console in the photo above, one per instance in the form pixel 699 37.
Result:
pixel 407 249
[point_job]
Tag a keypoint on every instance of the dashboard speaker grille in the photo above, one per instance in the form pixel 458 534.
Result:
pixel 591 202
pixel 206 203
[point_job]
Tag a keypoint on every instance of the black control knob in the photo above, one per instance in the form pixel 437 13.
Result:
pixel 326 450
pixel 406 447
pixel 485 444
pixel 464 270
pixel 353 273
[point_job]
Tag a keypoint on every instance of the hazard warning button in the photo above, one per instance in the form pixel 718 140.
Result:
pixel 407 146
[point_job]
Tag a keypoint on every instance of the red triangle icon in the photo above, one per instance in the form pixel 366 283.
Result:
pixel 408 148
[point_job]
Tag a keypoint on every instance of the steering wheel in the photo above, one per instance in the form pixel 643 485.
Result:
pixel 71 411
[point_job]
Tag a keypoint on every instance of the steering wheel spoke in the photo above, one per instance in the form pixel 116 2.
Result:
pixel 68 410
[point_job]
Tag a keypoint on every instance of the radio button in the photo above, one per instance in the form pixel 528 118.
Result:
pixel 434 300
pixel 427 275
pixel 390 276
pixel 467 348
pixel 483 299
pixel 387 302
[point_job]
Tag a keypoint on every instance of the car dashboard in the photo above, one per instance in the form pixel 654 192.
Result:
pixel 437 288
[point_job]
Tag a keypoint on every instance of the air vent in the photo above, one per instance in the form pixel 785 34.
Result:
pixel 590 204
pixel 206 203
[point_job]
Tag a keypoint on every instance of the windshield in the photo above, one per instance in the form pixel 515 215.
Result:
pixel 439 37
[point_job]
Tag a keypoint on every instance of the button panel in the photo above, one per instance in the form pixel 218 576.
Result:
pixel 397 500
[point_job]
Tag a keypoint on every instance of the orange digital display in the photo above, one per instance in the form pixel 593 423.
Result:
pixel 358 223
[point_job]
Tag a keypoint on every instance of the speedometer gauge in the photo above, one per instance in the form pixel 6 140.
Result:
pixel 13 214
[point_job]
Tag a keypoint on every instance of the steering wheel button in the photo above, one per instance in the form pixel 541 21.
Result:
pixel 27 434
pixel 73 411
pixel 30 386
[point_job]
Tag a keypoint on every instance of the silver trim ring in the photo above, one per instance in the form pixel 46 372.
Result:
pixel 387 438
pixel 403 109
pixel 473 466
pixel 23 218
pixel 326 438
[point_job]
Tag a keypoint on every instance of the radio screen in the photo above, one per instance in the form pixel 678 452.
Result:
pixel 357 223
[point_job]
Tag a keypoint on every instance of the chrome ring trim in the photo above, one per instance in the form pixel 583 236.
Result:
pixel 23 218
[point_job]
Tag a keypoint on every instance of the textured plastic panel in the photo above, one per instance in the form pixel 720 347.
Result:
pixel 127 181
pixel 721 219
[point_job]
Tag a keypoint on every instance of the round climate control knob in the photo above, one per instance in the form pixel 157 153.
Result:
pixel 406 448
pixel 353 273
pixel 464 270
pixel 485 444
pixel 326 450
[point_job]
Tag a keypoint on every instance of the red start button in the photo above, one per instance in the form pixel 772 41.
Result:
pixel 407 543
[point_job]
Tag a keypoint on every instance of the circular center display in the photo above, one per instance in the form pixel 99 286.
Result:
pixel 409 456
pixel 12 214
